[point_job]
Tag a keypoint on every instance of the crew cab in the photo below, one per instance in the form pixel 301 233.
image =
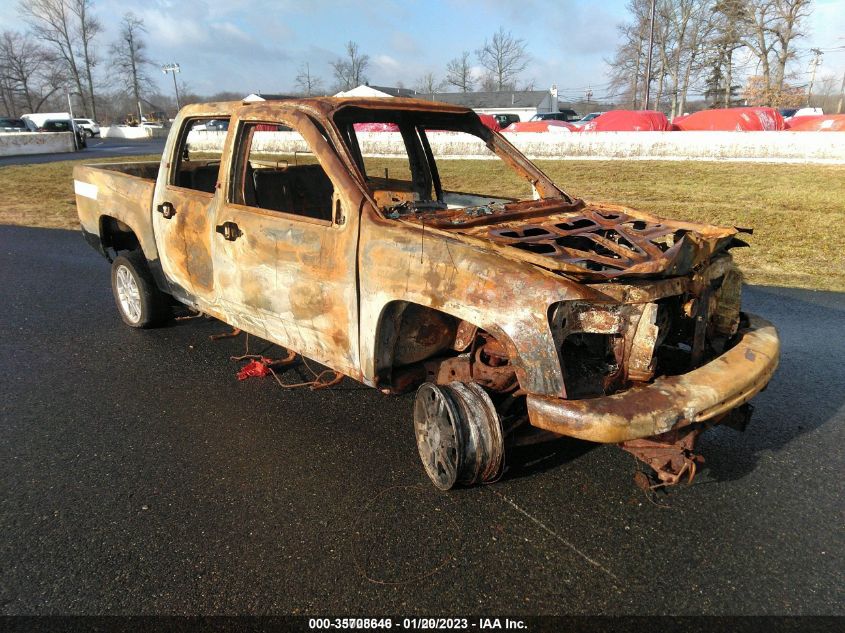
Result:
pixel 504 313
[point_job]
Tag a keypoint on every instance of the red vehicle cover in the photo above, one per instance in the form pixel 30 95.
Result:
pixel 376 127
pixel 817 123
pixel 628 121
pixel 541 126
pixel 490 121
pixel 733 120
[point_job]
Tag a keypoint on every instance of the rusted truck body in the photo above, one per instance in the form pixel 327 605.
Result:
pixel 589 320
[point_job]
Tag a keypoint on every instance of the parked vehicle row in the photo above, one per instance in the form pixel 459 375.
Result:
pixel 742 119
pixel 8 124
pixel 567 116
pixel 89 126
pixel 65 125
pixel 745 119
pixel 55 122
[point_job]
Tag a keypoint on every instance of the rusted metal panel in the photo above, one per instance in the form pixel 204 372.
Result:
pixel 640 357
pixel 669 402
pixel 292 279
pixel 185 239
pixel 118 195
pixel 596 241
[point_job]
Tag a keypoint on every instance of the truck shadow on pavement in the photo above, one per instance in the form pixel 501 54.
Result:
pixel 526 461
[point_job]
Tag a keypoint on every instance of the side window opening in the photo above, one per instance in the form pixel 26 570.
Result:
pixel 500 181
pixel 408 160
pixel 270 175
pixel 198 154
pixel 394 180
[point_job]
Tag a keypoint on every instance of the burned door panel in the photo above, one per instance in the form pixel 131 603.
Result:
pixel 183 207
pixel 285 268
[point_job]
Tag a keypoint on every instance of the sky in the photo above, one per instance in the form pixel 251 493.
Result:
pixel 258 45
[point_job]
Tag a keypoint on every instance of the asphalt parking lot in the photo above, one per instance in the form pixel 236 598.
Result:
pixel 138 476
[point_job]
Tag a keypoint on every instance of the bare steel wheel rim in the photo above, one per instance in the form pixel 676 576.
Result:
pixel 459 434
pixel 438 435
pixel 128 294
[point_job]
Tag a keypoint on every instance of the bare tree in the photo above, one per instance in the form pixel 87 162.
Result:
pixel 428 84
pixel 68 28
pixel 53 23
pixel 349 71
pixel 790 16
pixel 772 26
pixel 528 85
pixel 729 18
pixel 307 83
pixel 689 26
pixel 487 83
pixel 88 28
pixel 627 65
pixel 28 75
pixel 695 43
pixel 129 58
pixel 663 42
pixel 459 73
pixel 504 57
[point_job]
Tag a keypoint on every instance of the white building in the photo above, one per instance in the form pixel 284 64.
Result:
pixel 257 96
pixel 523 103
pixel 366 90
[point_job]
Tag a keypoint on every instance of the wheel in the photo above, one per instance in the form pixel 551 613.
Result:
pixel 89 133
pixel 140 303
pixel 459 434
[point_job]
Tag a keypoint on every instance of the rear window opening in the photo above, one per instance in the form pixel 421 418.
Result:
pixel 198 154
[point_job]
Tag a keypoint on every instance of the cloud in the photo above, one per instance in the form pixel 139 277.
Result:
pixel 242 45
pixel 386 62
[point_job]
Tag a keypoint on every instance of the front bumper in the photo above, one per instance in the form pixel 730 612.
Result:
pixel 670 402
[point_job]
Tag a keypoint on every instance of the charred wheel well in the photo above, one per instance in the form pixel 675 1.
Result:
pixel 415 344
pixel 116 236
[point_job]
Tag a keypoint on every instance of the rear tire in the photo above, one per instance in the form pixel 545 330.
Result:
pixel 139 301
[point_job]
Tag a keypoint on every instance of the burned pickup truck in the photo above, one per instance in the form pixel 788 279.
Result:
pixel 504 312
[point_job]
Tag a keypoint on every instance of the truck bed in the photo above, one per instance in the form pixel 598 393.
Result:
pixel 118 192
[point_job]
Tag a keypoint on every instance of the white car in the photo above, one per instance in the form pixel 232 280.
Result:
pixel 89 126
pixel 586 119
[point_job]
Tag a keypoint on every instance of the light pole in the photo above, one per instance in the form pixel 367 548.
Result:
pixel 72 123
pixel 646 101
pixel 173 68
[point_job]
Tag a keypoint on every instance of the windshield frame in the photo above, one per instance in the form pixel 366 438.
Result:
pixel 413 124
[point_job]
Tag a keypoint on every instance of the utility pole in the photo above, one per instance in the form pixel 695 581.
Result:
pixel 814 64
pixel 841 95
pixel 173 68
pixel 648 59
pixel 72 122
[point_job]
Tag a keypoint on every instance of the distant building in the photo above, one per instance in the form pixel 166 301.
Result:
pixel 523 103
pixel 366 90
pixel 257 96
